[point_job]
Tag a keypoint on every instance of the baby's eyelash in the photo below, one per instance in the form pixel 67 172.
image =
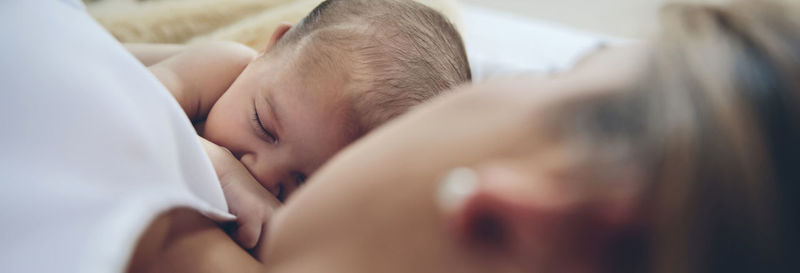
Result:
pixel 257 121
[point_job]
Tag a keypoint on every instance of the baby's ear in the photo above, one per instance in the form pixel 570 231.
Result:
pixel 280 30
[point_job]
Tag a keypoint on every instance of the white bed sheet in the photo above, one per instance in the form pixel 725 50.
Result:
pixel 503 44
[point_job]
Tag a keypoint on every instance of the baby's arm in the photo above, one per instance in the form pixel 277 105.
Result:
pixel 150 54
pixel 199 74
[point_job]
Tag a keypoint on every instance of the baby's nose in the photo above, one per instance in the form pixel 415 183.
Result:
pixel 268 174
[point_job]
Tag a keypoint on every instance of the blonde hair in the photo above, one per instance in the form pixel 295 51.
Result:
pixel 714 126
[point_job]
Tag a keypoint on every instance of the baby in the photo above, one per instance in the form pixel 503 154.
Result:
pixel 346 68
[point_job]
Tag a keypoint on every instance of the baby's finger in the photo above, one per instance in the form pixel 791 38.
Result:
pixel 248 233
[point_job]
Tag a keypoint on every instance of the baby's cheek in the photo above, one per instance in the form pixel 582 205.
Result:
pixel 231 130
pixel 217 125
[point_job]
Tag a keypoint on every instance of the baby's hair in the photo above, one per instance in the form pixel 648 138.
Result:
pixel 398 53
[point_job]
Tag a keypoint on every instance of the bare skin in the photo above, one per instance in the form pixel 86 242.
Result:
pixel 326 226
pixel 184 241
pixel 196 75
pixel 266 121
pixel 150 54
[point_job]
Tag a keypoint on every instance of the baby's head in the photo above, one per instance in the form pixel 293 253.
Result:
pixel 348 67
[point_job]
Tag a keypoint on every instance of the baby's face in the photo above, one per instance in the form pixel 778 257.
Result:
pixel 281 121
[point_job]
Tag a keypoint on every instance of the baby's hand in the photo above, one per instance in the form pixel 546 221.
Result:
pixel 252 205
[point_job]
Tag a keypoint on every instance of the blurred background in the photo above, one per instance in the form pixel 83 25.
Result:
pixel 624 18
pixel 503 37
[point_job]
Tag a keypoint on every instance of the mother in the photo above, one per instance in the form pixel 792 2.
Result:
pixel 672 158
pixel 679 159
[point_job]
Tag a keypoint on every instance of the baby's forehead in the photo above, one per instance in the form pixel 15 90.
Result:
pixel 321 77
pixel 315 57
pixel 372 81
pixel 332 69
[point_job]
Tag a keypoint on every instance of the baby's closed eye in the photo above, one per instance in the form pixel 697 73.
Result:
pixel 260 129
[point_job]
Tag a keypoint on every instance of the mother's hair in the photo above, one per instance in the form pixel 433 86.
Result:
pixel 714 128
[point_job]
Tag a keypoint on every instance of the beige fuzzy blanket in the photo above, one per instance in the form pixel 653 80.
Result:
pixel 250 22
